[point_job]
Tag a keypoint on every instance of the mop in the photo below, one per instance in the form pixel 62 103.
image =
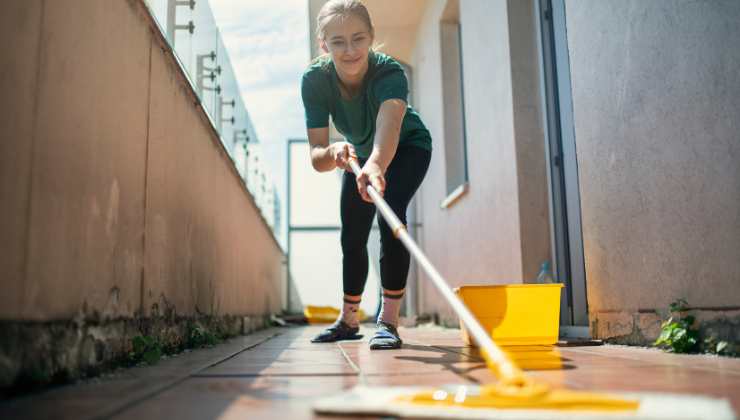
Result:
pixel 515 395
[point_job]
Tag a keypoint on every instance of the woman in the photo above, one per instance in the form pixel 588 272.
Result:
pixel 365 93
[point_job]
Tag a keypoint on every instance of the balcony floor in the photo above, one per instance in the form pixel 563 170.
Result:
pixel 278 373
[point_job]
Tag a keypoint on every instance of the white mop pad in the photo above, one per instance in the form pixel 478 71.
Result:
pixel 363 400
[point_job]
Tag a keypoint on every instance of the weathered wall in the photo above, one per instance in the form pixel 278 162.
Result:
pixel 20 37
pixel 208 249
pixel 117 199
pixel 656 96
pixel 498 232
pixel 83 244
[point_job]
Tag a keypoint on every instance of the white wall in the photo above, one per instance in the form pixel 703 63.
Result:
pixel 479 238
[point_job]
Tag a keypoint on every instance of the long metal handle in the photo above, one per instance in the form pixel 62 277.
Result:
pixel 497 360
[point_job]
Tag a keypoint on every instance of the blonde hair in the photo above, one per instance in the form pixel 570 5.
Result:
pixel 341 9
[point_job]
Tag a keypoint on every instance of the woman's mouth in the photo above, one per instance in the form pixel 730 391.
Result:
pixel 352 61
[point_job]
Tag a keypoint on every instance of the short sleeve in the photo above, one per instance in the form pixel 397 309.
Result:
pixel 391 84
pixel 314 103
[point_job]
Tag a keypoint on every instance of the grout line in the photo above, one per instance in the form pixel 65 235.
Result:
pixel 178 380
pixel 360 375
pixel 249 347
pixel 473 358
pixel 462 374
pixel 269 375
pixel 654 363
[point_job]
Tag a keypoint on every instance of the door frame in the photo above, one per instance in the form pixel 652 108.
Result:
pixel 564 203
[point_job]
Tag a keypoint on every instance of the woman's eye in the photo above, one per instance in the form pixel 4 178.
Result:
pixel 337 43
pixel 360 39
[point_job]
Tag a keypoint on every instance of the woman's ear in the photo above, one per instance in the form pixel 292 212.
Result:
pixel 322 46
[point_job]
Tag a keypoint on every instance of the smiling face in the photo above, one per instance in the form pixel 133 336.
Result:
pixel 348 39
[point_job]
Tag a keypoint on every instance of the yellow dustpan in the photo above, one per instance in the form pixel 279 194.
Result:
pixel 514 390
pixel 325 314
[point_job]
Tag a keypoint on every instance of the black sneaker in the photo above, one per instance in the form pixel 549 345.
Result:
pixel 340 330
pixel 385 338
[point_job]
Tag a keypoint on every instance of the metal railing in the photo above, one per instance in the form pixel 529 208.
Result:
pixel 195 39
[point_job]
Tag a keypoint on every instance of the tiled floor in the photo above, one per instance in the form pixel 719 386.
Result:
pixel 278 374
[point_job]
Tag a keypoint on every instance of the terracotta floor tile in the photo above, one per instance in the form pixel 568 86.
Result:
pixel 654 356
pixel 409 360
pixel 433 381
pixel 289 353
pixel 249 398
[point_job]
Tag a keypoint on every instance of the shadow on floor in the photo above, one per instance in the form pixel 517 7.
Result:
pixel 529 358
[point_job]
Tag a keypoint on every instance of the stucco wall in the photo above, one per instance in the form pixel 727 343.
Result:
pixel 656 96
pixel 116 195
pixel 19 28
pixel 482 237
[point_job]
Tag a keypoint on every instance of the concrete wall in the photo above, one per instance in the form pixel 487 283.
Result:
pixel 656 95
pixel 498 232
pixel 117 198
pixel 534 223
pixel 20 34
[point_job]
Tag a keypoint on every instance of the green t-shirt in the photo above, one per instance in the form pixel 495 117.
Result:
pixel 355 118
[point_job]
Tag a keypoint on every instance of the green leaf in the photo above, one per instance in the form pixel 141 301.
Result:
pixel 152 356
pixel 139 344
pixel 679 334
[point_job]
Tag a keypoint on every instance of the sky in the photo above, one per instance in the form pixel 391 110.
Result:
pixel 268 45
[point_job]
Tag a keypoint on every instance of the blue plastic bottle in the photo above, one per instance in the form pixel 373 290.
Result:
pixel 545 276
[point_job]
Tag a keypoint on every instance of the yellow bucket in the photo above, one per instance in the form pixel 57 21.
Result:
pixel 325 314
pixel 514 314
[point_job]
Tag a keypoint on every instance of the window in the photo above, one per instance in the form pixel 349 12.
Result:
pixel 456 165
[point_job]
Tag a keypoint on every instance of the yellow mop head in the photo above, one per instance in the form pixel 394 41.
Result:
pixel 394 401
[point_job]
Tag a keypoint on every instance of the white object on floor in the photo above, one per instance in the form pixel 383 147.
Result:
pixel 363 400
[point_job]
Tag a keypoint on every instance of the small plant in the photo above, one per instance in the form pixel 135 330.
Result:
pixel 201 337
pixel 677 333
pixel 146 349
pixel 712 345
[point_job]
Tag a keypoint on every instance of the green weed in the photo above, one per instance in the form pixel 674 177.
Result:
pixel 145 349
pixel 677 333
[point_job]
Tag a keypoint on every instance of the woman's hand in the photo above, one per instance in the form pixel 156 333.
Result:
pixel 371 173
pixel 341 152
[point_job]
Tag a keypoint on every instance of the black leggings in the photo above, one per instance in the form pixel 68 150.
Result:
pixel 402 179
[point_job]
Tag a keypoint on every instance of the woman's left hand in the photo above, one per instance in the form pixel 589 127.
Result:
pixel 371 173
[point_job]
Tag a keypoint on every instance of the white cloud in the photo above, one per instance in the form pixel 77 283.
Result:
pixel 268 45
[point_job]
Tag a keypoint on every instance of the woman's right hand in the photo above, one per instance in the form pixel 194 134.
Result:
pixel 341 152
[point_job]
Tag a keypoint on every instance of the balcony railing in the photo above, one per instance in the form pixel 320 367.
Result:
pixel 195 39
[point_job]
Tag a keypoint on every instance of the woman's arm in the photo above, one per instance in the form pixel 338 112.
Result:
pixel 387 132
pixel 318 139
pixel 325 157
